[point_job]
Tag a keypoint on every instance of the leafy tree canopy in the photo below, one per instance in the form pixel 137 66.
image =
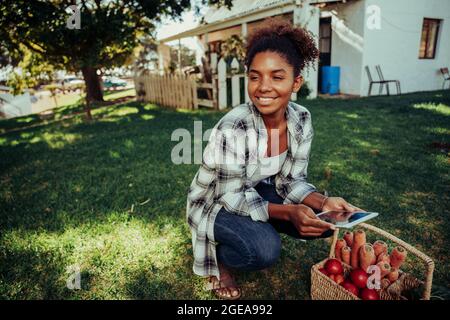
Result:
pixel 108 33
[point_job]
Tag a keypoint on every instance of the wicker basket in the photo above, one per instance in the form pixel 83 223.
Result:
pixel 323 288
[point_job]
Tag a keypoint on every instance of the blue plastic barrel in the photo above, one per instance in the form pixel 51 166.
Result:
pixel 330 79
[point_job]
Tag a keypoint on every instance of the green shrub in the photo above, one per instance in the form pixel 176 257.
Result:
pixel 304 91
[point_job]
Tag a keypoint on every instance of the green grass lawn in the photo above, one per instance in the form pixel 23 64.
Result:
pixel 67 189
pixel 68 106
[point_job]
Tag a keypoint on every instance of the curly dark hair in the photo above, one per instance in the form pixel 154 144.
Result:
pixel 295 44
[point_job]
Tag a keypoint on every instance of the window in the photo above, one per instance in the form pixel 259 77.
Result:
pixel 428 41
pixel 325 36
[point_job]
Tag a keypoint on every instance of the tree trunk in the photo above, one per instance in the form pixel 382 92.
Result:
pixel 54 98
pixel 87 109
pixel 93 88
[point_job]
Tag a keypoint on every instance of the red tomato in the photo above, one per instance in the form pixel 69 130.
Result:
pixel 369 294
pixel 334 266
pixel 339 278
pixel 359 278
pixel 350 287
pixel 323 271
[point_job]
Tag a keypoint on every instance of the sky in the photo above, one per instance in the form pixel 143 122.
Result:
pixel 169 27
pixel 188 21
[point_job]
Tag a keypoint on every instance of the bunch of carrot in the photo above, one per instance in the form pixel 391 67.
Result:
pixel 353 250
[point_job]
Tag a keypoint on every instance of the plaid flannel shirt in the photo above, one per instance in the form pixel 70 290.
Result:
pixel 223 179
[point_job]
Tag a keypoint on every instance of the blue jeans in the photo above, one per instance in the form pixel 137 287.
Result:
pixel 249 245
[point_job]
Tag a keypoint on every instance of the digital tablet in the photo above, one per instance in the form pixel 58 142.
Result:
pixel 345 219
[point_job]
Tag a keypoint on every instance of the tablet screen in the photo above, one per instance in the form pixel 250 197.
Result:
pixel 341 217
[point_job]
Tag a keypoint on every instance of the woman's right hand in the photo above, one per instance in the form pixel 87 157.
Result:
pixel 307 223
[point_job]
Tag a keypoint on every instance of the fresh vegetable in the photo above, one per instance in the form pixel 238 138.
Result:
pixel 393 275
pixel 380 247
pixel 323 271
pixel 366 256
pixel 348 237
pixel 354 250
pixel 385 268
pixel 334 266
pixel 369 294
pixel 398 256
pixel 345 254
pixel 350 287
pixel 359 239
pixel 359 278
pixel 384 257
pixel 339 278
pixel 340 243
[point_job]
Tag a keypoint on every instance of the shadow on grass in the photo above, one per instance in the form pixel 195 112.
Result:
pixel 146 285
pixel 37 276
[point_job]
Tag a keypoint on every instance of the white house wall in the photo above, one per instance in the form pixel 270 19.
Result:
pixel 308 18
pixel 347 43
pixel 395 47
pixel 15 106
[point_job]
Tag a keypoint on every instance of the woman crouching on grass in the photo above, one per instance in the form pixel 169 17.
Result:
pixel 236 209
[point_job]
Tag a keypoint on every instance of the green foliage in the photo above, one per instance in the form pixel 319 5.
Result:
pixel 106 38
pixel 108 34
pixel 144 56
pixel 304 91
pixel 187 57
pixel 17 83
pixel 34 71
pixel 52 87
pixel 233 47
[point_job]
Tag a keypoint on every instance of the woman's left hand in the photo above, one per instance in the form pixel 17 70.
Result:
pixel 337 203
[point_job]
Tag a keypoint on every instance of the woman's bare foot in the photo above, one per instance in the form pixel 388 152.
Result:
pixel 227 287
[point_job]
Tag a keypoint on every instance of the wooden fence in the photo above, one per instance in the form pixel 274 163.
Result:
pixel 173 91
pixel 180 91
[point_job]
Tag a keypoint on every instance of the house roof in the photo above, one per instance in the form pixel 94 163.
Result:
pixel 217 18
pixel 240 7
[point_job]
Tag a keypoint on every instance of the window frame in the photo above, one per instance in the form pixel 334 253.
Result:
pixel 428 40
pixel 326 21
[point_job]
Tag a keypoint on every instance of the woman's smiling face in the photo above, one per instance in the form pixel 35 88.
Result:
pixel 271 82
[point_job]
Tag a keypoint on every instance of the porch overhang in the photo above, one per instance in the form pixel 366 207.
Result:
pixel 247 17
